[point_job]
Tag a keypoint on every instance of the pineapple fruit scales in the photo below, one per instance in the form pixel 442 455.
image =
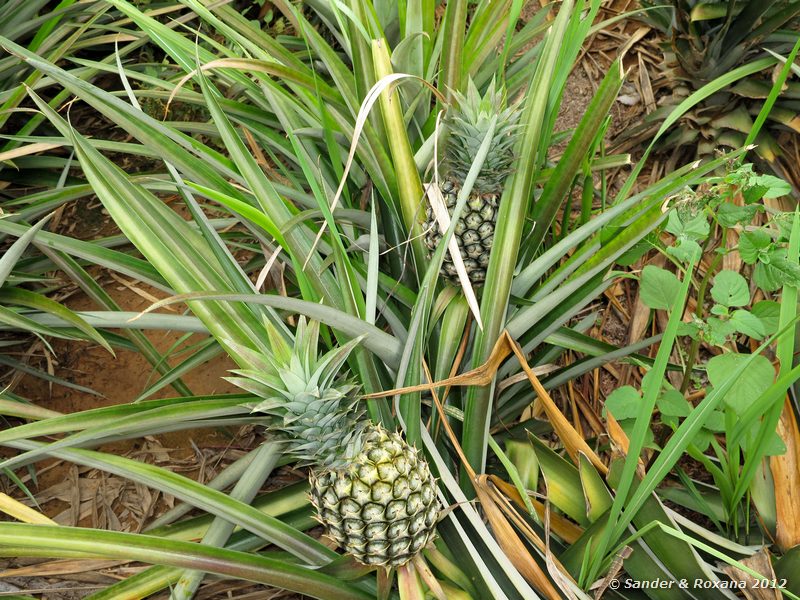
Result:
pixel 468 122
pixel 373 493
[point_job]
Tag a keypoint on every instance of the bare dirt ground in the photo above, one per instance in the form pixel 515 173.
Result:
pixel 74 495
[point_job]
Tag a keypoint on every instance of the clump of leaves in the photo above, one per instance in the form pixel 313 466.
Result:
pixel 733 307
pixel 725 51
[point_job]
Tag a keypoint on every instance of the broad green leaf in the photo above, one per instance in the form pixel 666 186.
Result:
pixel 695 228
pixel 777 272
pixel 752 244
pixel 648 438
pixel 775 186
pixel 715 421
pixel 730 214
pixel 773 445
pixel 730 289
pixel 748 324
pixel 719 330
pixel 673 403
pixel 768 312
pixel 659 287
pixel 623 402
pixel 750 383
pixel 685 250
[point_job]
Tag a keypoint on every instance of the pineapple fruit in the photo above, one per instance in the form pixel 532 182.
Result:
pixel 467 123
pixel 373 493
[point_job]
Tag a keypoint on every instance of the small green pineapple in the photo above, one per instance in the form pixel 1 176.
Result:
pixel 467 123
pixel 373 493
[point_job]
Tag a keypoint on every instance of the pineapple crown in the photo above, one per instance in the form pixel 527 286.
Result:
pixel 315 408
pixel 709 39
pixel 468 121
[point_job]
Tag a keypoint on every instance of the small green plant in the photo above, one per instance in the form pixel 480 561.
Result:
pixel 732 307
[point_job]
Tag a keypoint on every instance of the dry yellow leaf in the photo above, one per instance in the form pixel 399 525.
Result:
pixel 786 475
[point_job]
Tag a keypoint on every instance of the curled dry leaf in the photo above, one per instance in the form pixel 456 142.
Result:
pixel 443 219
pixel 483 375
pixel 760 563
pixel 786 475
pixel 500 514
pixel 621 442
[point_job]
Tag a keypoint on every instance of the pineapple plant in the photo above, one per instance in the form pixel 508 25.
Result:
pixel 706 41
pixel 373 492
pixel 467 122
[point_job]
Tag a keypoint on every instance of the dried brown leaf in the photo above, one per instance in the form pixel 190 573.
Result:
pixel 62 567
pixel 483 375
pixel 509 541
pixel 760 563
pixel 646 86
pixel 731 260
pixel 786 475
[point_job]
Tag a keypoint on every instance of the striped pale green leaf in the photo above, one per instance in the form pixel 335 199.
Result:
pixel 140 421
pixel 102 417
pixel 15 252
pixel 63 541
pixel 22 297
pixel 93 252
pixel 299 544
